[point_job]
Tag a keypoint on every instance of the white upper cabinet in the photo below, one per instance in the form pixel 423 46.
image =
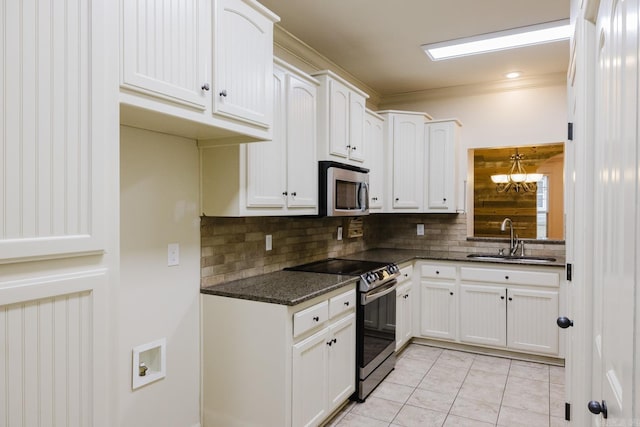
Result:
pixel 441 141
pixel 198 69
pixel 166 49
pixel 341 120
pixel 243 55
pixel 404 140
pixel 277 177
pixel 374 135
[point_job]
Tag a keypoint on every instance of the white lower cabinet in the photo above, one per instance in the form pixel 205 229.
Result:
pixel 513 308
pixel 292 365
pixel 404 306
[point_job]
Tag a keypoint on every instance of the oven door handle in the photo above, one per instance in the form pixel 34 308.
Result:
pixel 378 293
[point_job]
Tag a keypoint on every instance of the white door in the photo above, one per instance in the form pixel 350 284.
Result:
pixel 166 50
pixel 408 134
pixel 440 163
pixel 342 356
pixel 302 167
pixel 438 309
pixel 404 314
pixel 266 167
pixel 357 144
pixel 615 212
pixel 338 119
pixel 483 315
pixel 374 135
pixel 309 375
pixel 243 60
pixel 531 320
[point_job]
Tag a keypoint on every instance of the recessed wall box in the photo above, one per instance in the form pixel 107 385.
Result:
pixel 149 363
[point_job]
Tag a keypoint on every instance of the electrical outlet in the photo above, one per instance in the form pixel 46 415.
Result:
pixel 268 242
pixel 173 254
pixel 420 229
pixel 339 233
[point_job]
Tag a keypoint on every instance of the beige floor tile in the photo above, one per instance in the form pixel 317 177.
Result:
pixel 456 358
pixel 491 364
pixel 558 422
pixel 456 421
pixel 353 420
pixel 556 374
pixel 436 400
pixel 557 399
pixel 379 409
pixel 483 393
pixel 476 409
pixel 512 417
pixel 517 385
pixel 418 351
pixel 440 381
pixel 417 365
pixel 486 378
pixel 532 371
pixel 405 377
pixel 442 370
pixel 395 392
pixel 530 402
pixel 413 416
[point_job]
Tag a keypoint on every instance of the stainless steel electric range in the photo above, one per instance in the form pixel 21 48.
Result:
pixel 375 317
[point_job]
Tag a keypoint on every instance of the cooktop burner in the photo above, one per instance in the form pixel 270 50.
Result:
pixel 348 267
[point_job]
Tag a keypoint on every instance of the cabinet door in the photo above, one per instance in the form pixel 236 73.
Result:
pixel 440 163
pixel 438 309
pixel 483 315
pixel 408 144
pixel 531 320
pixel 404 313
pixel 266 169
pixel 243 60
pixel 339 104
pixel 357 144
pixel 309 394
pixel 373 130
pixel 302 167
pixel 166 49
pixel 342 356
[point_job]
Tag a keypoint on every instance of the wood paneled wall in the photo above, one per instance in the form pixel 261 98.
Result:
pixel 491 207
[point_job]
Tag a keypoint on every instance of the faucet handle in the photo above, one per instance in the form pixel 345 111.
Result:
pixel 501 251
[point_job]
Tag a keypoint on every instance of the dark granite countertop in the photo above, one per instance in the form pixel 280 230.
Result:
pixel 281 287
pixel 295 287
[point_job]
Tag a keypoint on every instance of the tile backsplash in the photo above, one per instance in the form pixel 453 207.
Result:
pixel 234 248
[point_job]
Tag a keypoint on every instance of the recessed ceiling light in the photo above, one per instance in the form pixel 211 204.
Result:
pixel 501 40
pixel 513 75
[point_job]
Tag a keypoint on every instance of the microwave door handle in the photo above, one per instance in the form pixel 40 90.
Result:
pixel 363 195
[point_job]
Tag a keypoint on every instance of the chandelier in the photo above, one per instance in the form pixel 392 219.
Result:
pixel 517 179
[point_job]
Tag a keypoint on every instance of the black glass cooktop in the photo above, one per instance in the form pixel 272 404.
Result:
pixel 347 267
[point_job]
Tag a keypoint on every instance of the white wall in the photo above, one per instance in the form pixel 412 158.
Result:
pixel 159 205
pixel 503 118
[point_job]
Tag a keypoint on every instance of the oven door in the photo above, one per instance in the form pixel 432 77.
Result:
pixel 377 327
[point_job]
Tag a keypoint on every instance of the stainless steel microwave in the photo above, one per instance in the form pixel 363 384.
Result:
pixel 343 190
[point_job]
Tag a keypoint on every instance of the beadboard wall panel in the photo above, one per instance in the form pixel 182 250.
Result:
pixel 48 170
pixel 47 350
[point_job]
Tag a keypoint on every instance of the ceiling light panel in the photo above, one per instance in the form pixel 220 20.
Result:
pixel 501 40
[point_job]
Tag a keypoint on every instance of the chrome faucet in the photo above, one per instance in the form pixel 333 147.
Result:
pixel 513 238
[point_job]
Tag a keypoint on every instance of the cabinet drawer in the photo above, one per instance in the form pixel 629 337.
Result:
pixel 309 318
pixel 405 273
pixel 438 271
pixel 538 278
pixel 341 303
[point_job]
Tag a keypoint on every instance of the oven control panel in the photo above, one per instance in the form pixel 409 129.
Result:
pixel 378 277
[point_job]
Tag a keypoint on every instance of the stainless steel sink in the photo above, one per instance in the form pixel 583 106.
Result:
pixel 510 258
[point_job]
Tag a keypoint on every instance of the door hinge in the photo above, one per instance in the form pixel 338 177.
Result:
pixel 570 131
pixel 569 272
pixel 567 411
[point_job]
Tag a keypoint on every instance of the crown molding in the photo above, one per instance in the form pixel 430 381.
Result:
pixel 554 79
pixel 289 46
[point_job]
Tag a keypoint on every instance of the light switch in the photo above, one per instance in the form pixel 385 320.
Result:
pixel 173 254
pixel 420 230
pixel 268 242
pixel 339 233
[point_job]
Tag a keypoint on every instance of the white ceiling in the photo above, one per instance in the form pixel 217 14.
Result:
pixel 378 41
